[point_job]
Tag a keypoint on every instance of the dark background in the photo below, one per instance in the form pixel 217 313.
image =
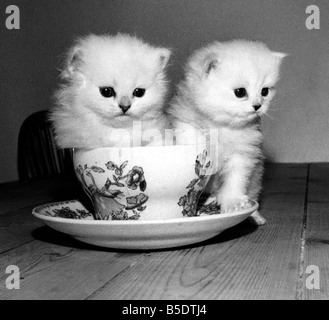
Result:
pixel 296 129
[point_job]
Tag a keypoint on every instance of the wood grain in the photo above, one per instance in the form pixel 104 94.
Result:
pixel 241 263
pixel 64 269
pixel 16 228
pixel 52 265
pixel 317 232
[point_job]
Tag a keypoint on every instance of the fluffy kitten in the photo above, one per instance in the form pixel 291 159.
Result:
pixel 228 86
pixel 110 82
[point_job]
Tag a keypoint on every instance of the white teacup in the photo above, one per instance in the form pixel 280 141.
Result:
pixel 144 183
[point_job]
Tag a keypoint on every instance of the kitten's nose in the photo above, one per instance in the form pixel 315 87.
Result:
pixel 124 104
pixel 256 107
pixel 124 108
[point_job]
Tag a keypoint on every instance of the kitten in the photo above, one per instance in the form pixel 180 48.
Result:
pixel 228 86
pixel 110 83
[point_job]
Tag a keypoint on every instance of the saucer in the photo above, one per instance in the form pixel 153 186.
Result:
pixel 72 218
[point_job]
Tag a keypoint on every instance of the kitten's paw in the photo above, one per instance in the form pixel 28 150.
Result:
pixel 257 219
pixel 235 205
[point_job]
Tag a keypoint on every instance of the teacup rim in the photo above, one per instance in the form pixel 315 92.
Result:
pixel 143 147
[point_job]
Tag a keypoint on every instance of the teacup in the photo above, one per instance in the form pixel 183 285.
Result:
pixel 144 183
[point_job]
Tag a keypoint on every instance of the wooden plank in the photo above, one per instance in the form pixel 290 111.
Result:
pixel 53 265
pixel 16 228
pixel 66 269
pixel 241 263
pixel 316 251
pixel 17 224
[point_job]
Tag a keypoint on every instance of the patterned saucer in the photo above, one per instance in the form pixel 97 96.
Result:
pixel 72 218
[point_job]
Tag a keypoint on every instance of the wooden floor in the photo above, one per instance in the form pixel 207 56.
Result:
pixel 286 259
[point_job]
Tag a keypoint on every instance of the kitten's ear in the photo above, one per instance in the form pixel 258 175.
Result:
pixel 210 63
pixel 164 57
pixel 74 61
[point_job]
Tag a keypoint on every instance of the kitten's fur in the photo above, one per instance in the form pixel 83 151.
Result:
pixel 83 117
pixel 206 100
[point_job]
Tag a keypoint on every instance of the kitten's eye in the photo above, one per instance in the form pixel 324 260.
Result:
pixel 107 92
pixel 138 92
pixel 265 92
pixel 240 92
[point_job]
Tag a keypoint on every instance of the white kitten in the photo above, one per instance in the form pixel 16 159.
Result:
pixel 110 83
pixel 228 86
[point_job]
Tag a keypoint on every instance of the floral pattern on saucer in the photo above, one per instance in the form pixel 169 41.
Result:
pixel 65 210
